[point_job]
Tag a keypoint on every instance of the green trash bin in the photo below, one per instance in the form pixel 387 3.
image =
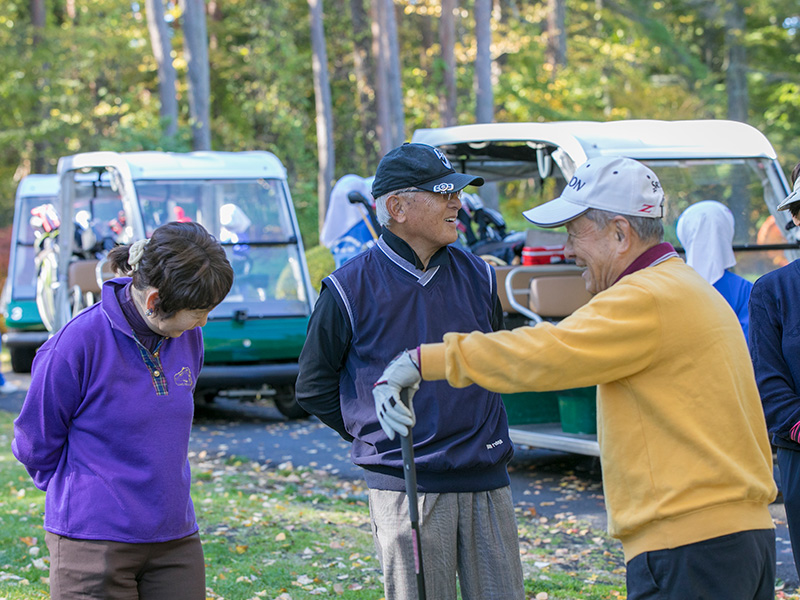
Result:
pixel 578 410
pixel 529 408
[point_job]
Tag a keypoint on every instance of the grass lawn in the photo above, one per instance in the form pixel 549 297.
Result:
pixel 291 534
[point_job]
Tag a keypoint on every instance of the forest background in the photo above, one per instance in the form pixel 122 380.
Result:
pixel 331 85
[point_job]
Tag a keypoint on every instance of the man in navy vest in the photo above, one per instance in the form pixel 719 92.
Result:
pixel 414 286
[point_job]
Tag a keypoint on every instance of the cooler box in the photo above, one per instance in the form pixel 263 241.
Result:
pixel 542 255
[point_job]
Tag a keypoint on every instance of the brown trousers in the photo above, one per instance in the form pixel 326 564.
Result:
pixel 104 570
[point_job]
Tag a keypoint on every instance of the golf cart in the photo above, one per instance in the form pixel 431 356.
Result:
pixel 531 163
pixel 34 218
pixel 254 337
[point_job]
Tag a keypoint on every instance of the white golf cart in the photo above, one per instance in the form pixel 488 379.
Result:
pixel 726 161
pixel 254 337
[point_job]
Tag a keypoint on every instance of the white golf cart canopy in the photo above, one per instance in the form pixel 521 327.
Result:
pixel 44 186
pixel 170 165
pixel 478 149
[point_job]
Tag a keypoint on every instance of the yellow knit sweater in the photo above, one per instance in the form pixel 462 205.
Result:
pixel 683 443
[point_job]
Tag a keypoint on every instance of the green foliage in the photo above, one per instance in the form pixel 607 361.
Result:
pixel 91 83
pixel 320 264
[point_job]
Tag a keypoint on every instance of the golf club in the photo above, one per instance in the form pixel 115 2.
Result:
pixel 410 476
pixel 370 220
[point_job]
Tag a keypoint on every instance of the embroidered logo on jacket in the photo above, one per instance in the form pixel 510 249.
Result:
pixel 184 377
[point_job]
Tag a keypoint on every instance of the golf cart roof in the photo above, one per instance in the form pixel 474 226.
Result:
pixel 174 165
pixel 500 148
pixel 38 185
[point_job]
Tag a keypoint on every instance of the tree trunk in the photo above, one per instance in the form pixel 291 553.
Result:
pixel 322 95
pixel 38 13
pixel 484 96
pixel 736 72
pixel 162 51
pixel 196 51
pixel 484 109
pixel 362 67
pixel 738 100
pixel 394 75
pixel 40 146
pixel 447 41
pixel 384 125
pixel 556 35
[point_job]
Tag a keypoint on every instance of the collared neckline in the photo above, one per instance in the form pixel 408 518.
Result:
pixel 440 258
pixel 650 257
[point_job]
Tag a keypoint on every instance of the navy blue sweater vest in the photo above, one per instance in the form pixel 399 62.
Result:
pixel 461 441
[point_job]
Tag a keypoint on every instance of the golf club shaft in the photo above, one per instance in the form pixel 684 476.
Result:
pixel 410 476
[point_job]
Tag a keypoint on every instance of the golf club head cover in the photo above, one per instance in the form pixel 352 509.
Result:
pixel 402 373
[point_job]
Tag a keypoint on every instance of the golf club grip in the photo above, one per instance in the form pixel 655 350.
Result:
pixel 410 476
pixel 410 472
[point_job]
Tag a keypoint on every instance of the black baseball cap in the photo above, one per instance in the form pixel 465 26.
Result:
pixel 420 166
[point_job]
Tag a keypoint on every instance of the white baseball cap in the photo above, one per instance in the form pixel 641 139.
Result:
pixel 612 183
pixel 791 198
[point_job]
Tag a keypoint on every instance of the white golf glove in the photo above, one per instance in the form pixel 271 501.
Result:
pixel 402 373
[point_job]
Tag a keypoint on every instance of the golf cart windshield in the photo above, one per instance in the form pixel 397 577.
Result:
pixel 252 221
pixel 748 187
pixel 36 214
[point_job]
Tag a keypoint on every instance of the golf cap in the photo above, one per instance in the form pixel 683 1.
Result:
pixel 791 198
pixel 611 183
pixel 420 166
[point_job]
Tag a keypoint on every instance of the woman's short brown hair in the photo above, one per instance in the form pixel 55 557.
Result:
pixel 184 262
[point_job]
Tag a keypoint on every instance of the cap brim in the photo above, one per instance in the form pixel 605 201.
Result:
pixel 554 213
pixel 791 198
pixel 458 180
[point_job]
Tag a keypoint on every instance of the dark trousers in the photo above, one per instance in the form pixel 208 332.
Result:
pixel 104 570
pixel 740 566
pixel 789 468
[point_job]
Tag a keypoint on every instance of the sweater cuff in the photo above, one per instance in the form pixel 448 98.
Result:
pixel 432 363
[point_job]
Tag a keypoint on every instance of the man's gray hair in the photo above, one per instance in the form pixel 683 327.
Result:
pixel 381 212
pixel 647 228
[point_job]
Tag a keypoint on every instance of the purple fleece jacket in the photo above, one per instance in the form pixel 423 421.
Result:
pixel 99 438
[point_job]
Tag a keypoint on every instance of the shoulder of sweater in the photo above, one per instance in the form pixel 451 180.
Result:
pixel 773 278
pixel 657 282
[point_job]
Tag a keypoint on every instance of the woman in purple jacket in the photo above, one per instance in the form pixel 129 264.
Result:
pixel 105 425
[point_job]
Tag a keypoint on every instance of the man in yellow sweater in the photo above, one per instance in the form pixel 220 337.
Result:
pixel 687 465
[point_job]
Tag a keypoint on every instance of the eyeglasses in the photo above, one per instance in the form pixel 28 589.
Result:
pixel 446 196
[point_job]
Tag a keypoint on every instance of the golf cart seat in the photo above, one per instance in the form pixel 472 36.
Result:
pixel 557 297
pixel 85 278
pixel 541 291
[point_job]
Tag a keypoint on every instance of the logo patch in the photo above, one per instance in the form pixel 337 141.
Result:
pixel 184 377
pixel 442 158
pixel 441 188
